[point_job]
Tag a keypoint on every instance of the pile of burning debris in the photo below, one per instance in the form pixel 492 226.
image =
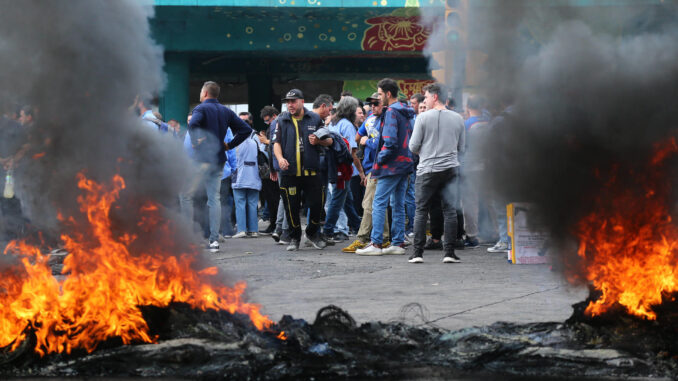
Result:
pixel 113 306
pixel 211 344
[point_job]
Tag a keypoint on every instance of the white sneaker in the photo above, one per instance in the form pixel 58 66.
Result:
pixel 253 235
pixel 395 250
pixel 240 235
pixel 500 247
pixel 370 250
pixel 214 246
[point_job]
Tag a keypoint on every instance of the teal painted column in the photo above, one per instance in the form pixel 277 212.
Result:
pixel 174 101
pixel 259 94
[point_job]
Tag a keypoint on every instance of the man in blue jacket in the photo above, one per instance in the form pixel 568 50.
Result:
pixel 207 129
pixel 392 167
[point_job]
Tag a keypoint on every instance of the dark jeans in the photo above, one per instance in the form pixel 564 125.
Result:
pixel 290 190
pixel 445 185
pixel 226 207
pixel 358 192
pixel 436 213
pixel 270 192
pixel 12 221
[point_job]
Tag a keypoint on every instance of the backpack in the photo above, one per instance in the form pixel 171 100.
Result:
pixel 342 151
pixel 262 161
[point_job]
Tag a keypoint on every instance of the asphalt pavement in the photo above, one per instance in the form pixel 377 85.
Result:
pixel 482 289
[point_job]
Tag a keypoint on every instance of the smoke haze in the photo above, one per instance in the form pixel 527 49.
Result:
pixel 80 64
pixel 586 100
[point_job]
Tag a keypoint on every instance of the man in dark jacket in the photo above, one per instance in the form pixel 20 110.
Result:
pixel 207 130
pixel 392 167
pixel 299 160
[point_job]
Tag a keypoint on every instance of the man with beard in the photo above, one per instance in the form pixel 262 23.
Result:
pixel 392 167
pixel 368 136
pixel 298 157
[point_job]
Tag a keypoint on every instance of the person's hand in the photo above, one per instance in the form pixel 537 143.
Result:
pixel 283 164
pixel 226 147
pixel 273 176
pixel 263 138
pixel 363 179
pixel 363 140
pixel 8 164
pixel 313 139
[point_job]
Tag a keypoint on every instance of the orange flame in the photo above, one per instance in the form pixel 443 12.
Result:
pixel 630 254
pixel 105 283
pixel 282 335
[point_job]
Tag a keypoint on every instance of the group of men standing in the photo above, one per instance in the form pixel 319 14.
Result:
pixel 307 153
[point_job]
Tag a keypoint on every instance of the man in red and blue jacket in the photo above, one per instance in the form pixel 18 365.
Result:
pixel 392 166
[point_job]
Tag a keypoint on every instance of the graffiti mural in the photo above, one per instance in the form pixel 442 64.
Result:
pixel 395 32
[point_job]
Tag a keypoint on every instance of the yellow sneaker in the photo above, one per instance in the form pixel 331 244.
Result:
pixel 357 244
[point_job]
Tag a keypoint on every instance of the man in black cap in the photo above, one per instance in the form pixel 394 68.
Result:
pixel 298 155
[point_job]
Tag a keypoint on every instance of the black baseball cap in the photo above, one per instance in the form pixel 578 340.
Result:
pixel 373 98
pixel 293 94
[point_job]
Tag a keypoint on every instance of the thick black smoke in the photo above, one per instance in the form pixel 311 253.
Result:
pixel 80 64
pixel 584 101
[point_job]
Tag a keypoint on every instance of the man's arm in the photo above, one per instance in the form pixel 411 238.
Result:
pixel 389 135
pixel 277 151
pixel 241 130
pixel 461 145
pixel 323 142
pixel 357 163
pixel 197 118
pixel 417 136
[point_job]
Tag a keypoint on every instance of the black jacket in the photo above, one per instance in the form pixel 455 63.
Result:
pixel 285 135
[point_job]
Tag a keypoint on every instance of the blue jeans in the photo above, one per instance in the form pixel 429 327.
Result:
pixel 500 210
pixel 340 199
pixel 410 205
pixel 386 186
pixel 246 201
pixel 209 176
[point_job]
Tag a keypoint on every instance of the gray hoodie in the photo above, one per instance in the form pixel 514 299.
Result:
pixel 439 139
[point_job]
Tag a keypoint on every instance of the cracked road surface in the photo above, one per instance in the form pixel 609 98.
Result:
pixel 480 290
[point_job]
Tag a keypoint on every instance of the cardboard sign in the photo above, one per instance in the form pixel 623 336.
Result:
pixel 527 247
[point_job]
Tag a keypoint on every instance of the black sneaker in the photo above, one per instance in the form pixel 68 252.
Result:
pixel 459 244
pixel 269 230
pixel 317 241
pixel 417 257
pixel 451 258
pixel 276 235
pixel 432 245
pixel 339 237
pixel 285 238
pixel 328 240
pixel 471 243
pixel 293 246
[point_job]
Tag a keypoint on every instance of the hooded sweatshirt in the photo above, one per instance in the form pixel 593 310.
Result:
pixel 393 155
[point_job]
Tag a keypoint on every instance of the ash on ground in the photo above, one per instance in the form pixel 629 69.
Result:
pixel 217 345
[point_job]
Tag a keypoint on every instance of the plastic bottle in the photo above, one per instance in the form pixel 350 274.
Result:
pixel 9 185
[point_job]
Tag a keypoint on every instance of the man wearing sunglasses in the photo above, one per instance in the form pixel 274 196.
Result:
pixel 368 137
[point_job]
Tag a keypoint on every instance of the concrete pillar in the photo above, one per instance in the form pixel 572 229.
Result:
pixel 175 100
pixel 259 94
